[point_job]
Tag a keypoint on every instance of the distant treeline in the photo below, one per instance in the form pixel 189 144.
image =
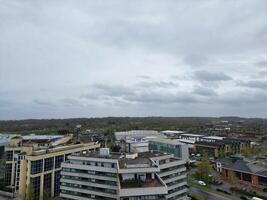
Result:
pixel 111 124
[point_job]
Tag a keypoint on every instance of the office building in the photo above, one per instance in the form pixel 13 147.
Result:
pixel 178 149
pixel 137 140
pixel 221 146
pixel 102 175
pixel 172 134
pixel 33 164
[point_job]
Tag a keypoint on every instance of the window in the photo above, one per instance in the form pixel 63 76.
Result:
pixel 48 164
pixel 66 156
pixel 8 173
pixel 58 161
pixel 9 155
pixel 57 183
pixel 36 166
pixel 35 184
pixel 47 186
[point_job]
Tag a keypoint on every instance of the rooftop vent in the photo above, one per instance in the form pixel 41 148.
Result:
pixel 132 156
pixel 104 151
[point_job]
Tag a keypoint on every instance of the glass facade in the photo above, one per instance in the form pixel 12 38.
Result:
pixel 168 148
pixel 57 183
pixel 147 197
pixel 36 166
pixel 47 186
pixel 8 173
pixel 9 155
pixel 35 184
pixel 48 164
pixel 58 161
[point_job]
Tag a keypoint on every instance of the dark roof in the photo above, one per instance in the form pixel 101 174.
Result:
pixel 239 163
pixel 215 144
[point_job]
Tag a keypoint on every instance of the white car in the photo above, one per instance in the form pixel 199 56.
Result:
pixel 202 183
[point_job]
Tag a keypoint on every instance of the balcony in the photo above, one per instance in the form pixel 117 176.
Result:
pixel 145 187
pixel 142 184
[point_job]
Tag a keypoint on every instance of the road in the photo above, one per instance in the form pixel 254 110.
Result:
pixel 209 195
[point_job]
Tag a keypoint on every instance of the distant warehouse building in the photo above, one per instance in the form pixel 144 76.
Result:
pixel 115 176
pixel 33 164
pixel 178 149
pixel 136 134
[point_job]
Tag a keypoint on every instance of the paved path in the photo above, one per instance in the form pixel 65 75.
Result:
pixel 210 195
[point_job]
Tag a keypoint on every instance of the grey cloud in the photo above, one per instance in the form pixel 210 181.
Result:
pixel 157 84
pixel 254 84
pixel 245 98
pixel 43 102
pixel 195 60
pixel 105 92
pixel 262 63
pixel 132 58
pixel 204 91
pixel 70 102
pixel 162 98
pixel 143 77
pixel 203 75
pixel 139 94
pixel 112 90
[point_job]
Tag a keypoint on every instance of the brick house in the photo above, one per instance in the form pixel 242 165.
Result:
pixel 249 171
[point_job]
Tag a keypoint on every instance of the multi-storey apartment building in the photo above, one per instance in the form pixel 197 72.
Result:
pixel 33 164
pixel 102 175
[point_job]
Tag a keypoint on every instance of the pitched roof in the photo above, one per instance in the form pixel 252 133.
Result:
pixel 238 163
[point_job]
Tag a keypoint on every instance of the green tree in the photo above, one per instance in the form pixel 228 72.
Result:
pixel 232 178
pixel 204 169
pixel 47 194
pixel 30 192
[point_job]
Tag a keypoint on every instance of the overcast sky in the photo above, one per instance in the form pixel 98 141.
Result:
pixel 82 58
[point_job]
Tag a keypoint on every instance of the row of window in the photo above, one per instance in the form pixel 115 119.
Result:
pixel 37 165
pixel 8 173
pixel 89 172
pixel 100 164
pixel 172 168
pixel 173 175
pixel 176 182
pixel 177 197
pixel 85 187
pixel 91 196
pixel 91 180
pixel 147 197
pixel 9 155
pixel 177 189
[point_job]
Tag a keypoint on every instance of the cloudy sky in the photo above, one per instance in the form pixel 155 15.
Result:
pixel 87 58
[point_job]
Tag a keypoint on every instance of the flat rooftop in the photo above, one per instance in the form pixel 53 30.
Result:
pixel 173 132
pixel 192 135
pixel 214 137
pixel 167 141
pixel 128 160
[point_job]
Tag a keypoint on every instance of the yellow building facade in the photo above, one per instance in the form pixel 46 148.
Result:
pixel 33 168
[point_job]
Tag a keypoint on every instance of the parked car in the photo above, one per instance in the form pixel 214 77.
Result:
pixel 217 182
pixel 222 190
pixel 202 183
